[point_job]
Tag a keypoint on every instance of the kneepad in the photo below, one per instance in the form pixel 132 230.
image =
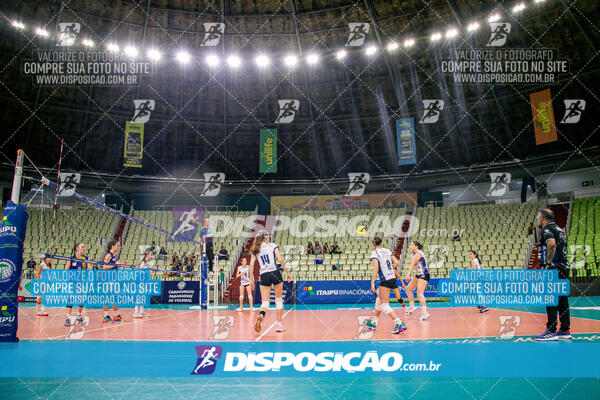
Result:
pixel 265 305
pixel 279 303
pixel 385 307
pixel 378 304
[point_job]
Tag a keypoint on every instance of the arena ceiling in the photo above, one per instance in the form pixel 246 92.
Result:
pixel 209 118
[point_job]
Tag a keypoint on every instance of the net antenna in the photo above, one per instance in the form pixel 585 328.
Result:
pixel 17 179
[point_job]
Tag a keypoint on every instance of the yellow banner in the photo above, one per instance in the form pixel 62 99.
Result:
pixel 543 117
pixel 341 202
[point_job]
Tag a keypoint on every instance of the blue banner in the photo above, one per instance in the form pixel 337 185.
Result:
pixel 350 291
pixel 12 235
pixel 332 359
pixel 288 288
pixel 180 292
pixel 405 137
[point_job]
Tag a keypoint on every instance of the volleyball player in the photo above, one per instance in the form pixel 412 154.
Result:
pixel 384 265
pixel 138 310
pixel 246 284
pixel 45 264
pixel 418 262
pixel 268 257
pixel 79 263
pixel 476 264
pixel 111 257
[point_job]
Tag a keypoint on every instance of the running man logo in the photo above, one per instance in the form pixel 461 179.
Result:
pixel 68 182
pixel 77 326
pixel 508 326
pixel 437 255
pixel 185 224
pixel 222 325
pixel 499 185
pixel 67 33
pixel 358 183
pixel 358 33
pixel 213 182
pixel 431 111
pixel 207 359
pixel 287 111
pixel 363 332
pixel 573 110
pixel 578 254
pixel 500 31
pixel 293 254
pixel 213 31
pixel 142 111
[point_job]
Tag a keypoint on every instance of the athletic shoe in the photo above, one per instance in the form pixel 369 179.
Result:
pixel 564 334
pixel 483 309
pixel 137 315
pixel 108 320
pixel 252 308
pixel 424 316
pixel 280 328
pixel 68 322
pixel 239 309
pixel 546 336
pixel 370 324
pixel 79 319
pixel 258 325
pixel 145 314
pixel 399 328
pixel 411 310
pixel 118 318
pixel 42 314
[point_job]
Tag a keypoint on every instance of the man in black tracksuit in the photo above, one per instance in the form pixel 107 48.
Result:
pixel 553 250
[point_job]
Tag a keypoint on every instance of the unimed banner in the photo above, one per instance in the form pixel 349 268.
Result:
pixel 12 235
pixel 349 291
pixel 134 144
pixel 268 151
pixel 405 137
pixel 543 117
pixel 180 292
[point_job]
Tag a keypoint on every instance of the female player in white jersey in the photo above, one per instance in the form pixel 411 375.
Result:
pixel 246 284
pixel 138 309
pixel 476 264
pixel 419 263
pixel 78 263
pixel 268 257
pixel 46 264
pixel 384 266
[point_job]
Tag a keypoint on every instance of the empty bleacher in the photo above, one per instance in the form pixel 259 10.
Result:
pixel 584 240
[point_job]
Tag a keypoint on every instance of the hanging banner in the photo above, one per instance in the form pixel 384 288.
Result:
pixel 134 144
pixel 543 117
pixel 405 137
pixel 268 151
pixel 12 236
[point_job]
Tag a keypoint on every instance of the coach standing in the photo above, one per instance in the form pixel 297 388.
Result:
pixel 553 248
pixel 206 235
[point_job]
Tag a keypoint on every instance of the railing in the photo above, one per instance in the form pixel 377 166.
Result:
pixel 116 223
pixel 407 238
pixel 570 214
pixel 126 229
pixel 530 247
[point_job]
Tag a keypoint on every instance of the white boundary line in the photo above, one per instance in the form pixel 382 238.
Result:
pixel 272 325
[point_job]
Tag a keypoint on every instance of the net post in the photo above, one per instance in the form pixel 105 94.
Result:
pixel 18 177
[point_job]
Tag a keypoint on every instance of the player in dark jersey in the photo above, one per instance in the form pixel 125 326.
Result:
pixel 111 257
pixel 553 248
pixel 78 263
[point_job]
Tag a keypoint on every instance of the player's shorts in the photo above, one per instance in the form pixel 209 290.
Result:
pixel 425 277
pixel 246 284
pixel 390 283
pixel 271 278
pixel 81 305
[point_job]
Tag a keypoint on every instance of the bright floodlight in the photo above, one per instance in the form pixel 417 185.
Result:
pixel 112 47
pixel 473 26
pixel 233 61
pixel 371 50
pixel 131 51
pixel 312 59
pixel 409 42
pixel 88 43
pixel 451 33
pixel 494 18
pixel 392 46
pixel 290 60
pixel 41 32
pixel 154 54
pixel 518 8
pixel 540 1
pixel 262 60
pixel 436 36
pixel 183 57
pixel 340 54
pixel 212 60
pixel 18 25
